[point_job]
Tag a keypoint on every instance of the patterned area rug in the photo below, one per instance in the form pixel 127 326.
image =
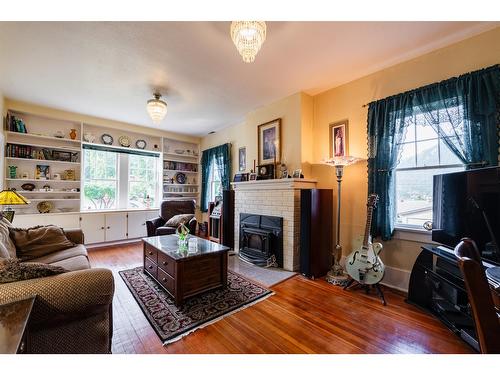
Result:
pixel 172 323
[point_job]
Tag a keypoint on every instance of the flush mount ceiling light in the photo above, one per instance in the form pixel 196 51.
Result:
pixel 248 37
pixel 156 108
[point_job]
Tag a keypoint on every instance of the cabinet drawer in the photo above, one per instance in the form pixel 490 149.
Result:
pixel 151 253
pixel 150 267
pixel 166 281
pixel 166 263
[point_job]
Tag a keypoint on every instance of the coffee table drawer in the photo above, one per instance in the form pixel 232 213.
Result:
pixel 151 253
pixel 166 281
pixel 166 264
pixel 150 266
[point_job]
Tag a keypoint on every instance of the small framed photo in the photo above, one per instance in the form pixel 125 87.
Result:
pixel 253 176
pixel 42 172
pixel 242 159
pixel 297 173
pixel 284 173
pixel 339 140
pixel 61 155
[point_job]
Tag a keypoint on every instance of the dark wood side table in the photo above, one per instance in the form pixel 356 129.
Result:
pixel 14 317
pixel 185 272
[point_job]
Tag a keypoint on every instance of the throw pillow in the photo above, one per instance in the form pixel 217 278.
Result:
pixel 177 220
pixel 12 270
pixel 39 241
pixel 7 248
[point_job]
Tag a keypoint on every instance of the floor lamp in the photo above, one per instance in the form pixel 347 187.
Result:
pixel 337 275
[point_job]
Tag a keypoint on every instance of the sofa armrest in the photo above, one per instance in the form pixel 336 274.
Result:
pixel 75 235
pixel 68 296
pixel 151 225
pixel 192 226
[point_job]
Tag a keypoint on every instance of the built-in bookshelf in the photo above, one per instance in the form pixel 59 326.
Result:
pixel 181 167
pixel 43 161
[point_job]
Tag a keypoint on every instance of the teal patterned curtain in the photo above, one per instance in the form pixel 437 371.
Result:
pixel 218 156
pixel 462 110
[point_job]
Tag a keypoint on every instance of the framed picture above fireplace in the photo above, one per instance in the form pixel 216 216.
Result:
pixel 269 142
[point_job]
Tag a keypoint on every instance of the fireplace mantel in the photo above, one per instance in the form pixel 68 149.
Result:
pixel 276 184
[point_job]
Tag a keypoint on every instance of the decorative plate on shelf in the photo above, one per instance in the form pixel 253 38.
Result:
pixel 180 152
pixel 107 139
pixel 124 141
pixel 140 143
pixel 180 178
pixel 44 207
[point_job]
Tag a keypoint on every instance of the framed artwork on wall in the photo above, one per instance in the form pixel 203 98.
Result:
pixel 339 140
pixel 242 159
pixel 269 142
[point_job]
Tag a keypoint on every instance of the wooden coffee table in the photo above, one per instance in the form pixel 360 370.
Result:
pixel 185 272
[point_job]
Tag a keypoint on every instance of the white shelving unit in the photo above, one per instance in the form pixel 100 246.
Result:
pixel 181 161
pixel 44 139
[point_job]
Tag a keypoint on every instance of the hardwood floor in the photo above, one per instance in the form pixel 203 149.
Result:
pixel 304 316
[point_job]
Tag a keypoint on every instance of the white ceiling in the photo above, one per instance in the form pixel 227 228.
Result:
pixel 109 69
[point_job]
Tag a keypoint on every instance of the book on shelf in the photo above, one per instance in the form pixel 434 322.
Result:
pixel 16 124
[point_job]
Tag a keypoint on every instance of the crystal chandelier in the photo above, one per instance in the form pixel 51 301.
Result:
pixel 248 37
pixel 156 108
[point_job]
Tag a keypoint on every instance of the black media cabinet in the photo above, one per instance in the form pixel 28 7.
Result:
pixel 437 286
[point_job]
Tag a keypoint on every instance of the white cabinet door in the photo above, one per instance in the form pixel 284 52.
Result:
pixel 137 224
pixel 116 226
pixel 93 227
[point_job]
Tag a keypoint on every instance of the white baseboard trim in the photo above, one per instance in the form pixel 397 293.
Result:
pixel 396 278
pixel 105 244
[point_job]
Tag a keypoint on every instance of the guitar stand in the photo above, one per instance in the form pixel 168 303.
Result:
pixel 367 289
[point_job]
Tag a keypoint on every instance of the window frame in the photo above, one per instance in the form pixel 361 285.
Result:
pixel 439 137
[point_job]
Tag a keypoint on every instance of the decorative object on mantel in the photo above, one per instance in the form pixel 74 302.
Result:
pixel 297 173
pixel 157 108
pixel 11 198
pixel 141 143
pixel 265 172
pixel 337 275
pixel 339 141
pixel 248 37
pixel 124 141
pixel 240 177
pixel 252 177
pixel 72 134
pixel 107 139
pixel 242 159
pixel 269 142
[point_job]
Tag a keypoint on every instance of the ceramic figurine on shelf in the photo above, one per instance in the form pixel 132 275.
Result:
pixel 12 171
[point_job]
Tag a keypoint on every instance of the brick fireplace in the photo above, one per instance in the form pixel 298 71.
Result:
pixel 277 198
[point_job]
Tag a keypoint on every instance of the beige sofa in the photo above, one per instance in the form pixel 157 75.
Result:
pixel 72 311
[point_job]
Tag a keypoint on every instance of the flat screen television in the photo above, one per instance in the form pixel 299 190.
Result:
pixel 467 204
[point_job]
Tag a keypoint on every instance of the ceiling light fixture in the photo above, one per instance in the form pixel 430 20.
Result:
pixel 156 108
pixel 248 37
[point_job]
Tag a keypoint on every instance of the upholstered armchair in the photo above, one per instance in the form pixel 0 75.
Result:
pixel 168 209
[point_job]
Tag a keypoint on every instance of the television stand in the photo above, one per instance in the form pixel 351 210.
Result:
pixel 437 286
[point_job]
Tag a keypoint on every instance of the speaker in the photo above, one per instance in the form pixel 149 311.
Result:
pixel 316 231
pixel 228 218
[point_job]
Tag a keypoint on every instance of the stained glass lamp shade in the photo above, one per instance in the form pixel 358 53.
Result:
pixel 11 198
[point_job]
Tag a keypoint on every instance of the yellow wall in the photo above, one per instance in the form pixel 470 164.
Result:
pixel 346 101
pixel 79 117
pixel 293 111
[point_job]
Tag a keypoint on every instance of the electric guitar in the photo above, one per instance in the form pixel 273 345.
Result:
pixel 364 265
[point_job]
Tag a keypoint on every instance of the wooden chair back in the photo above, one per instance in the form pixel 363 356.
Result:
pixel 480 299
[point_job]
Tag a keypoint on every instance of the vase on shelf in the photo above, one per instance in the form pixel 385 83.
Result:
pixel 72 134
pixel 12 171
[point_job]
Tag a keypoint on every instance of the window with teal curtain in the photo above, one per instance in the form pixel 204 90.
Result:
pixel 459 115
pixel 215 160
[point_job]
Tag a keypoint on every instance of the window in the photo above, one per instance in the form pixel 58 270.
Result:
pixel 215 182
pixel 142 183
pixel 100 185
pixel 116 179
pixel 423 154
